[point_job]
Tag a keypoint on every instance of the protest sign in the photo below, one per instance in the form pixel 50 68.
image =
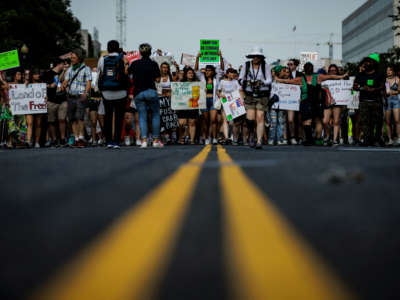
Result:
pixel 9 60
pixel 312 57
pixel 355 100
pixel 209 50
pixel 131 56
pixel 28 99
pixel 233 105
pixel 340 90
pixel 289 96
pixel 188 60
pixel 168 117
pixel 188 95
pixel 161 59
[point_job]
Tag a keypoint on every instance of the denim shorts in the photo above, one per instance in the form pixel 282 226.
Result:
pixel 210 105
pixel 393 102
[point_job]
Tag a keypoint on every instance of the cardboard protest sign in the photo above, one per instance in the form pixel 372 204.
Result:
pixel 233 105
pixel 188 95
pixel 188 60
pixel 9 60
pixel 132 56
pixel 28 99
pixel 289 96
pixel 209 50
pixel 340 90
pixel 168 117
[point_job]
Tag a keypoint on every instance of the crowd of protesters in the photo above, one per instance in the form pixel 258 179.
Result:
pixel 117 104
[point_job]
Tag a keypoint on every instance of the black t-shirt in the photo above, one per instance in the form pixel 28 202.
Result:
pixel 144 73
pixel 48 78
pixel 374 80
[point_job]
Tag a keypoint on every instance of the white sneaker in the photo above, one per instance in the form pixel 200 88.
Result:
pixel 390 142
pixel 158 144
pixel 351 141
pixel 127 140
pixel 283 142
pixel 207 142
pixel 143 145
pixel 90 141
pixel 293 141
pixel 138 142
pixel 397 142
pixel 215 142
pixel 100 142
pixel 37 145
pixel 271 142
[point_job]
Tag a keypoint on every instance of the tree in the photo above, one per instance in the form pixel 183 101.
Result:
pixel 47 27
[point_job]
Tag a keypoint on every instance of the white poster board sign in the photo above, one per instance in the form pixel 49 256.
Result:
pixel 28 99
pixel 161 59
pixel 188 95
pixel 188 60
pixel 312 57
pixel 355 101
pixel 233 105
pixel 289 96
pixel 340 90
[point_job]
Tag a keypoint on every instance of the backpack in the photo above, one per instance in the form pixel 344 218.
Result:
pixel 113 77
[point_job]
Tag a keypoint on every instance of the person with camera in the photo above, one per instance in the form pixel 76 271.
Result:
pixel 255 78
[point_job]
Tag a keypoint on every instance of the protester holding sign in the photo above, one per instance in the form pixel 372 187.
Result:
pixel 371 85
pixel 209 115
pixel 311 102
pixel 392 105
pixel 256 79
pixel 332 109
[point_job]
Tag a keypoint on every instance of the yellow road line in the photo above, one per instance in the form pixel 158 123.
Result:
pixel 267 259
pixel 128 260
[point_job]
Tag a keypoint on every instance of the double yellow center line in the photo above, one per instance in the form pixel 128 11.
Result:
pixel 266 259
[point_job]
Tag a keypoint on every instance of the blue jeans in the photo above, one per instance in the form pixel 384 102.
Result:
pixel 277 120
pixel 148 101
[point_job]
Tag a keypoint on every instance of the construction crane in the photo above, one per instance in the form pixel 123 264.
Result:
pixel 330 43
pixel 121 22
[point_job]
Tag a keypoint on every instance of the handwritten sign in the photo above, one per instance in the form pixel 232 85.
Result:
pixel 188 60
pixel 289 96
pixel 28 99
pixel 168 117
pixel 9 60
pixel 188 95
pixel 233 105
pixel 355 101
pixel 340 90
pixel 131 56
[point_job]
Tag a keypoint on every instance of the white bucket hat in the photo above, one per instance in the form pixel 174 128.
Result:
pixel 256 51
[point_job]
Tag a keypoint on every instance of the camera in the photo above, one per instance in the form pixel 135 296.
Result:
pixel 256 86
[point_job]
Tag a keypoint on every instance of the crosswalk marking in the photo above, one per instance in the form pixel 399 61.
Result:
pixel 267 259
pixel 128 260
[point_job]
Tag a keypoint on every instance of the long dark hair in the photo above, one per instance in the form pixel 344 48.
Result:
pixel 212 68
pixel 334 66
pixel 185 79
pixel 169 69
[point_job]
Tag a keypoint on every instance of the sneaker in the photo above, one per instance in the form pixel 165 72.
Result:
pixel 283 142
pixel 90 141
pixel 215 142
pixel 110 145
pixel 37 145
pixel 258 146
pixel 138 142
pixel 270 142
pixel 397 142
pixel 71 141
pixel 390 143
pixel 100 142
pixel 48 143
pixel 335 144
pixel 94 144
pixel 127 140
pixel 143 145
pixel 158 144
pixel 81 144
pixel 252 144
pixel 293 141
pixel 116 146
pixel 351 141
pixel 207 142
pixel 319 142
pixel 235 143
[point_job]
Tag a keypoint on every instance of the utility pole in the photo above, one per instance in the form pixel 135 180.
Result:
pixel 121 22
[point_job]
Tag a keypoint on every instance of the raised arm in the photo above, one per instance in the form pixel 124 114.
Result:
pixel 296 81
pixel 221 59
pixel 196 66
pixel 322 77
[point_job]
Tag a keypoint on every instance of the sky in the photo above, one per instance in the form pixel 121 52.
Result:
pixel 178 26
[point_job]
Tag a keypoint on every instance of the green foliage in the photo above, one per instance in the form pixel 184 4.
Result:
pixel 47 27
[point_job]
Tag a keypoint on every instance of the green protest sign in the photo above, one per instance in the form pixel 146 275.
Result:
pixel 9 60
pixel 209 50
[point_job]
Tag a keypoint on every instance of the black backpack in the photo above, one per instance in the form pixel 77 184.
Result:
pixel 113 77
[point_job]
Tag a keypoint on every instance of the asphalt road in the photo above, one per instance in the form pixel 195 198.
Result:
pixel 341 203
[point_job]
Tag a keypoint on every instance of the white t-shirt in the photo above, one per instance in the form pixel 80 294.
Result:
pixel 228 86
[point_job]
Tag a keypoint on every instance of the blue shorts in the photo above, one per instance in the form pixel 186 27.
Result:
pixel 210 105
pixel 393 102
